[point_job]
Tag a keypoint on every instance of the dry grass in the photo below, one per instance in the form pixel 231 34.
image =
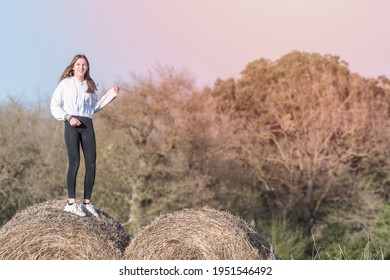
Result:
pixel 198 234
pixel 44 231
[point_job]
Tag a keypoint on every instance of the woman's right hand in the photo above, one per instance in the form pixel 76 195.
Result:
pixel 74 122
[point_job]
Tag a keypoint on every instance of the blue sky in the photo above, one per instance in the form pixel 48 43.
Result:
pixel 39 39
pixel 210 38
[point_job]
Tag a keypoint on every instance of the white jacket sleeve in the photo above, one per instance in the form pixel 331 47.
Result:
pixel 105 100
pixel 57 103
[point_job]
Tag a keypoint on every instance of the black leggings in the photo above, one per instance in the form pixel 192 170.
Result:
pixel 83 135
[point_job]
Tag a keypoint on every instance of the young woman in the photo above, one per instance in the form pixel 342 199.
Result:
pixel 75 101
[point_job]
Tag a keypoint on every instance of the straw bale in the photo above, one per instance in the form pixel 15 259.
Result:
pixel 44 231
pixel 198 234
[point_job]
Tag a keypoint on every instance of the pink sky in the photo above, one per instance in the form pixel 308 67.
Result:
pixel 218 38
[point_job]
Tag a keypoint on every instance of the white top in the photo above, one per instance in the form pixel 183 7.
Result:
pixel 71 97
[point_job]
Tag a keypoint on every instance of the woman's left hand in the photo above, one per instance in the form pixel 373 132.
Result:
pixel 116 89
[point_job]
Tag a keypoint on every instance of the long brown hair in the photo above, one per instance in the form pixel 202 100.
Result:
pixel 69 73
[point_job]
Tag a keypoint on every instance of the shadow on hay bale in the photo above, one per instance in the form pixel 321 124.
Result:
pixel 198 234
pixel 44 231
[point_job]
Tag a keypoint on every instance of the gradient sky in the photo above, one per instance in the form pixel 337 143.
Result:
pixel 210 38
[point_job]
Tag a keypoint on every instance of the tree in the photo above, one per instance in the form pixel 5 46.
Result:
pixel 309 131
pixel 154 113
pixel 31 158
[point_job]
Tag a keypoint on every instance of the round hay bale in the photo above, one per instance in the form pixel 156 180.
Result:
pixel 198 234
pixel 44 231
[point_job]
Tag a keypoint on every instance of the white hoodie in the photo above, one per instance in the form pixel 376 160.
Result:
pixel 71 97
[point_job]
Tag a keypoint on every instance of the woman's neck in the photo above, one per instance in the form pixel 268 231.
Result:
pixel 80 78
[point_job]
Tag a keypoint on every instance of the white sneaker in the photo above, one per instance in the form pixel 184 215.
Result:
pixel 75 209
pixel 90 208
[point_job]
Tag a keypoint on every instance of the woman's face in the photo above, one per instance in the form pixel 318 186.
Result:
pixel 80 67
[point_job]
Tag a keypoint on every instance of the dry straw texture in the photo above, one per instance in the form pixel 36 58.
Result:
pixel 198 234
pixel 45 232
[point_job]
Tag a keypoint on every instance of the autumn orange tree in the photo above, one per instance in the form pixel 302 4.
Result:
pixel 314 135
